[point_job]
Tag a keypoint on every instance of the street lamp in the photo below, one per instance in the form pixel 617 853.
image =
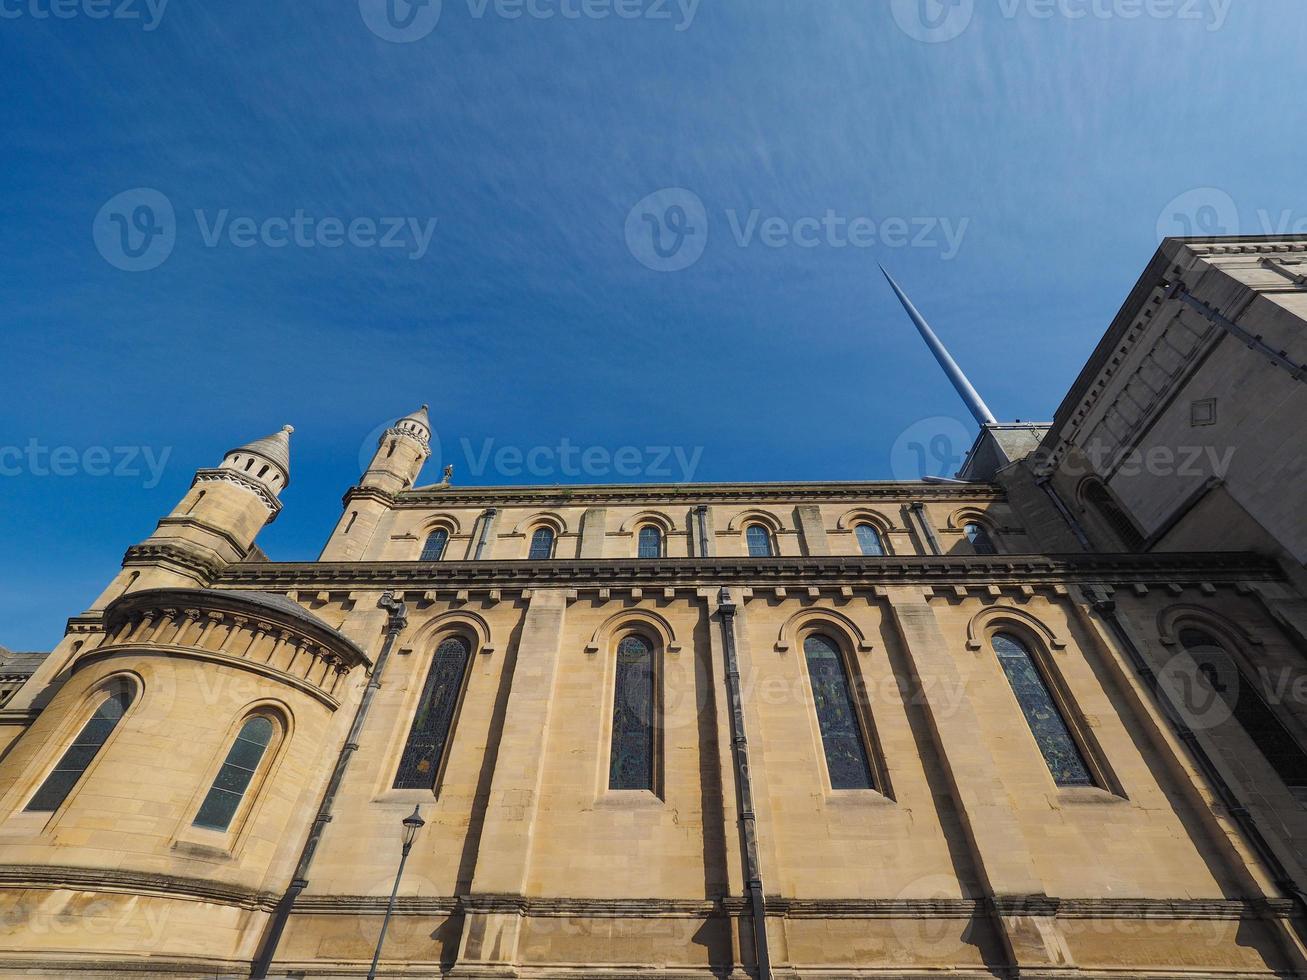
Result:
pixel 412 824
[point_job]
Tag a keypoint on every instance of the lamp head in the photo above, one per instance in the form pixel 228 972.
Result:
pixel 412 824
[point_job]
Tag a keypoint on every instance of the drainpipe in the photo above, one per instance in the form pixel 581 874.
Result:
pixel 299 881
pixel 1247 823
pixel 1076 528
pixel 919 509
pixel 487 519
pixel 748 822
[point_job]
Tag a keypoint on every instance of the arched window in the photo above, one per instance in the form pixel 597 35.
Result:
pixel 68 770
pixel 651 542
pixel 869 540
pixel 1065 760
pixel 429 734
pixel 759 540
pixel 1113 516
pixel 234 777
pixel 842 737
pixel 542 544
pixel 980 540
pixel 1247 706
pixel 434 548
pixel 631 760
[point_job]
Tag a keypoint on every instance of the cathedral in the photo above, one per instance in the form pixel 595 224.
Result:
pixel 1047 718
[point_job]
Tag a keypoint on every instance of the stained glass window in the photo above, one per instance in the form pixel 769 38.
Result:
pixel 429 735
pixel 631 761
pixel 435 545
pixel 1268 733
pixel 234 777
pixel 1059 749
pixel 980 540
pixel 841 732
pixel 542 544
pixel 759 540
pixel 68 770
pixel 869 540
pixel 651 542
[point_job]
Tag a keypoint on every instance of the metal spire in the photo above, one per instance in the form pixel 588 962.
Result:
pixel 975 404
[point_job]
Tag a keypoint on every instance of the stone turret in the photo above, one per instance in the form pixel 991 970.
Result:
pixel 214 524
pixel 401 451
pixel 265 460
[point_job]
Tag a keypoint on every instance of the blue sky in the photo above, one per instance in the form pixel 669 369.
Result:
pixel 1055 138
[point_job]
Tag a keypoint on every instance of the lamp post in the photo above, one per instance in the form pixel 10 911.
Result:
pixel 412 824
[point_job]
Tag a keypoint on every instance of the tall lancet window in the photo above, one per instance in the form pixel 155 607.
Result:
pixel 428 738
pixel 1065 760
pixel 434 547
pixel 68 770
pixel 1113 515
pixel 542 544
pixel 869 542
pixel 842 737
pixel 980 540
pixel 651 542
pixel 1247 706
pixel 631 760
pixel 237 771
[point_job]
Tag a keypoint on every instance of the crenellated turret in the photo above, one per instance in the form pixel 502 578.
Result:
pixel 401 451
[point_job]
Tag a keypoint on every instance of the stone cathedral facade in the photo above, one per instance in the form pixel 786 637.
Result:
pixel 1044 720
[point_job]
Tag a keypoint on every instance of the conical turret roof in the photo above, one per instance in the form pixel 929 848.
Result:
pixel 415 424
pixel 274 448
pixel 420 416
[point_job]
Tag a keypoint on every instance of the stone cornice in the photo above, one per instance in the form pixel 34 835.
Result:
pixel 395 430
pixel 1026 905
pixel 376 904
pixel 688 494
pixel 169 555
pixel 1236 245
pixel 368 493
pixel 766 572
pixel 102 879
pixel 201 889
pixel 256 487
pixel 188 521
pixel 95 966
pixel 267 612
